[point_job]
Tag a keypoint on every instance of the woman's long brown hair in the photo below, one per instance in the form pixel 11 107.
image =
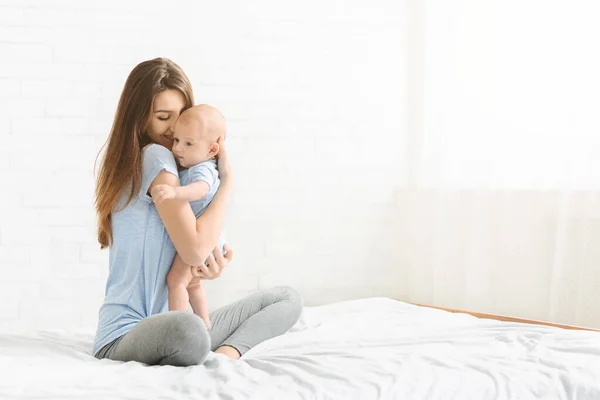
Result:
pixel 121 166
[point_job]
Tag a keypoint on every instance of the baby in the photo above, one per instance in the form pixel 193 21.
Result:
pixel 195 147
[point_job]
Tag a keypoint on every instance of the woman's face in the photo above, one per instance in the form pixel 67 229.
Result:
pixel 166 107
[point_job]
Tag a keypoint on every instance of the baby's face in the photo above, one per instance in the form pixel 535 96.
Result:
pixel 189 145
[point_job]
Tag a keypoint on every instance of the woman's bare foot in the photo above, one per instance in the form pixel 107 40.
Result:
pixel 229 351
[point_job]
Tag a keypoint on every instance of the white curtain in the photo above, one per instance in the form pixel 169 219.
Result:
pixel 501 213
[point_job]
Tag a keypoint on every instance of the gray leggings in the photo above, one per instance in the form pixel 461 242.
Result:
pixel 180 338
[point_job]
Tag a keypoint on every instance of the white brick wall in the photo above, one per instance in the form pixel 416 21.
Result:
pixel 315 96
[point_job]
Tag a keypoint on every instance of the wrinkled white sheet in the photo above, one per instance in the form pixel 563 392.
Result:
pixel 362 349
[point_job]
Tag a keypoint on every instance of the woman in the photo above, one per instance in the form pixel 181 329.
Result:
pixel 143 237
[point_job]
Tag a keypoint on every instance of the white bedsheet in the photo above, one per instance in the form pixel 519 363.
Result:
pixel 363 349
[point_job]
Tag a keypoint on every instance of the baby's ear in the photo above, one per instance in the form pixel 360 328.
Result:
pixel 214 149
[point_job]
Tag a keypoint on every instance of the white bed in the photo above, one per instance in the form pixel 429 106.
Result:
pixel 363 349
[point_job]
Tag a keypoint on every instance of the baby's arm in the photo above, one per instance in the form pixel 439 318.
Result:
pixel 192 192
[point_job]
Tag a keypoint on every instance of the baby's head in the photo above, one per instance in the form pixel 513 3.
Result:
pixel 196 133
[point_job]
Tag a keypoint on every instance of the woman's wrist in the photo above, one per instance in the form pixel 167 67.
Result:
pixel 226 184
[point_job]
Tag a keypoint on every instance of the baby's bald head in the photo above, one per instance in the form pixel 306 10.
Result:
pixel 196 135
pixel 206 120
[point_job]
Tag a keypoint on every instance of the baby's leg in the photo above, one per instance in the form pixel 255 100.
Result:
pixel 198 300
pixel 178 279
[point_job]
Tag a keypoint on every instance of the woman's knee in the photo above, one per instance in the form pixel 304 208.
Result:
pixel 190 341
pixel 288 293
pixel 293 300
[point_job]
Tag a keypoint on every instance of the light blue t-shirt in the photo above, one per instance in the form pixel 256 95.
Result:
pixel 140 256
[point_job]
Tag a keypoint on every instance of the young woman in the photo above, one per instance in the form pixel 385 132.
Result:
pixel 143 238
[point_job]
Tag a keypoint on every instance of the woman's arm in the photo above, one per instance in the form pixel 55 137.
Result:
pixel 195 239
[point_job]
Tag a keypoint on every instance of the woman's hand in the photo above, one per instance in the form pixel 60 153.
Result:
pixel 215 264
pixel 223 162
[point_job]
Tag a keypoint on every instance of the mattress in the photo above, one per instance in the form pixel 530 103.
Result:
pixel 374 348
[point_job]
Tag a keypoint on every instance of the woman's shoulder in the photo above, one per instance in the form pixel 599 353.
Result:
pixel 156 154
pixel 155 158
pixel 156 150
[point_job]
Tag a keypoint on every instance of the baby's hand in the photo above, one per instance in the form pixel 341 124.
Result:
pixel 161 193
